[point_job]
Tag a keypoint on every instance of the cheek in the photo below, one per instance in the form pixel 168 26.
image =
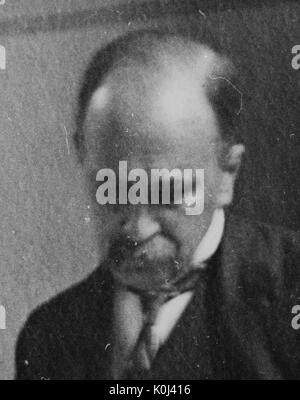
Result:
pixel 189 237
pixel 188 230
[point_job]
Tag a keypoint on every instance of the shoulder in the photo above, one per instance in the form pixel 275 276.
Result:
pixel 261 256
pixel 254 237
pixel 54 330
pixel 73 306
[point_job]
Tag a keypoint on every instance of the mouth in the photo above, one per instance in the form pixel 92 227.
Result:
pixel 149 265
pixel 157 246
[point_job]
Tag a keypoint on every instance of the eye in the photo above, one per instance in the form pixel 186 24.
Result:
pixel 176 192
pixel 168 194
pixel 115 208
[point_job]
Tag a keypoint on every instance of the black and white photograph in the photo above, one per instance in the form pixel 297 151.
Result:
pixel 149 192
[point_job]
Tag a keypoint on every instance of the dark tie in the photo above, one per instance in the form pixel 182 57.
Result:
pixel 148 343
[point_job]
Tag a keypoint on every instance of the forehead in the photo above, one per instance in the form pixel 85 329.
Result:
pixel 158 115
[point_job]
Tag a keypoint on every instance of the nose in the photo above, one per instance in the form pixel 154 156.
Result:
pixel 140 225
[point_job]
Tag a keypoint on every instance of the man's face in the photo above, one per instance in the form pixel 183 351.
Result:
pixel 170 125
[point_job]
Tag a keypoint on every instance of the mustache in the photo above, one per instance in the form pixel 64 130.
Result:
pixel 123 246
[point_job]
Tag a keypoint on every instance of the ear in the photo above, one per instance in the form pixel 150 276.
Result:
pixel 230 169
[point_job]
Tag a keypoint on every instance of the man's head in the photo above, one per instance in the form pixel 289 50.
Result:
pixel 159 101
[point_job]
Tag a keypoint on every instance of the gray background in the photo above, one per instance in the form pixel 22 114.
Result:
pixel 46 235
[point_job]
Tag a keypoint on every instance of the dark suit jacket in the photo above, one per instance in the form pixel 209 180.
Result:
pixel 237 326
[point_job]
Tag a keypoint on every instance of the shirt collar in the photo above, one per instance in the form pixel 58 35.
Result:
pixel 211 240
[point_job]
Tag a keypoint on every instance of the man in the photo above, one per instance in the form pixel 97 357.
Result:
pixel 206 296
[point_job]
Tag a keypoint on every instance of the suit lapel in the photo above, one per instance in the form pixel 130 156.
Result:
pixel 245 307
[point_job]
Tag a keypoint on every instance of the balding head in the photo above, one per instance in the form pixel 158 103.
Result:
pixel 161 101
pixel 146 72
